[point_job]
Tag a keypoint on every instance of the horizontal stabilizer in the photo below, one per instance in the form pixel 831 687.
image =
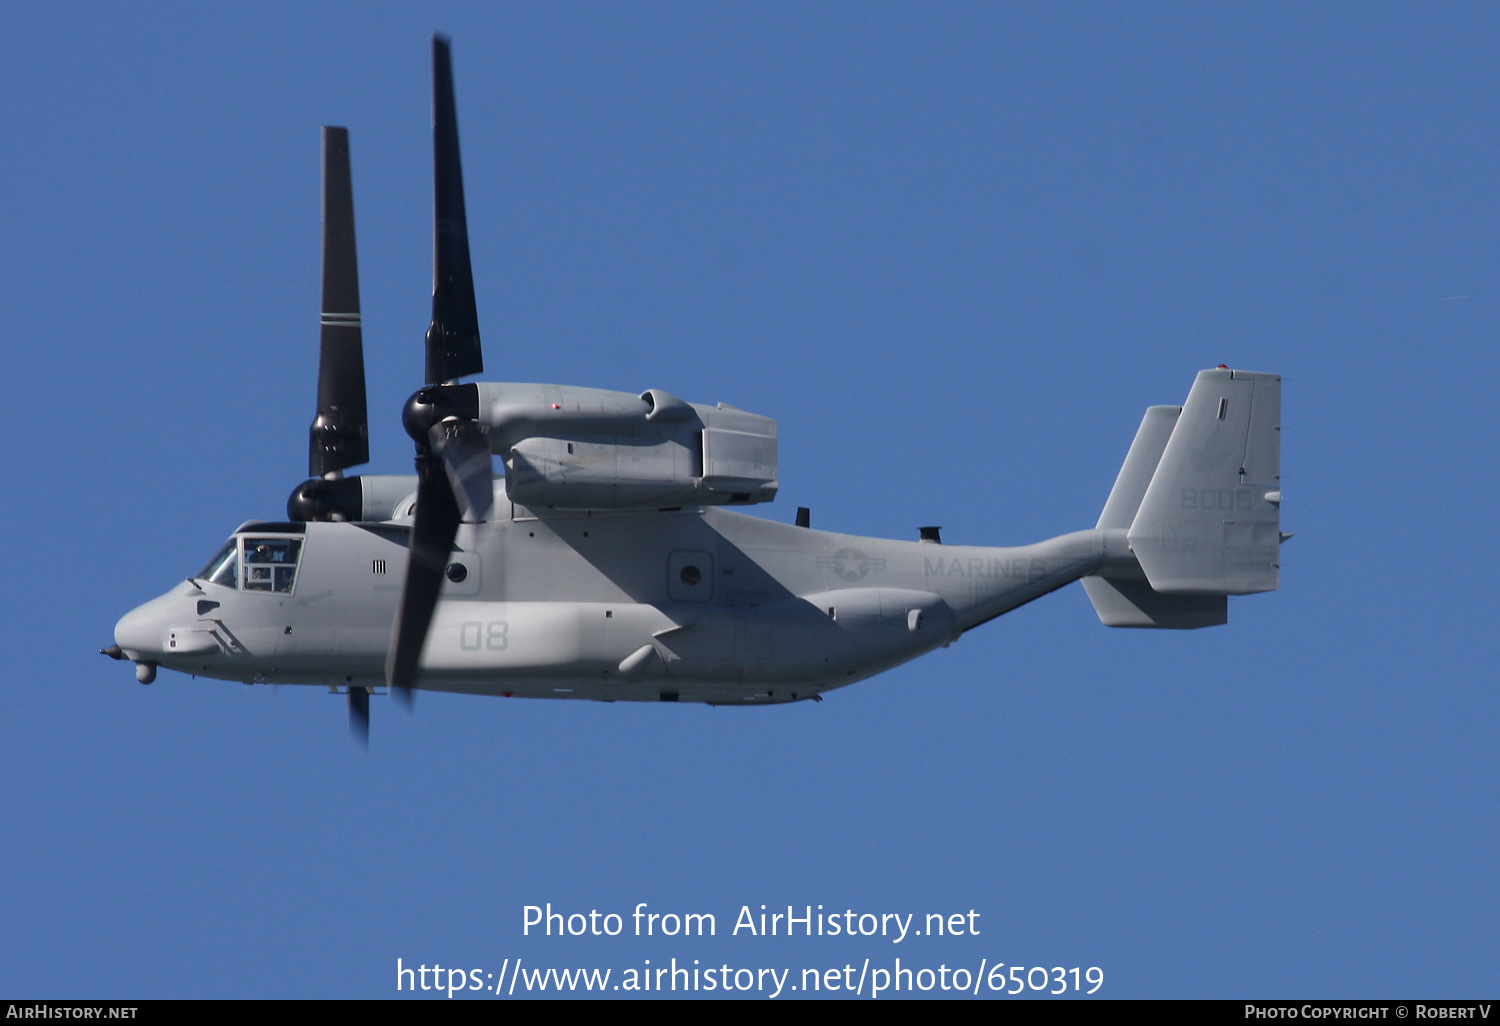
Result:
pixel 1133 603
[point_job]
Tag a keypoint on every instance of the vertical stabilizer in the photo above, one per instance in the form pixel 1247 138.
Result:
pixel 1210 521
pixel 1139 467
pixel 1123 597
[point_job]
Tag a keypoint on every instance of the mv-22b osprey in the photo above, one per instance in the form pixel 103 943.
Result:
pixel 605 563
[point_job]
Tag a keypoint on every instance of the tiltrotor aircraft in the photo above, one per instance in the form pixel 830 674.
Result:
pixel 605 563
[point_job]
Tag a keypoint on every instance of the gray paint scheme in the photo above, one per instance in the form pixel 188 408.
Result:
pixel 601 604
pixel 1210 519
pixel 1139 466
pixel 571 448
pixel 1125 598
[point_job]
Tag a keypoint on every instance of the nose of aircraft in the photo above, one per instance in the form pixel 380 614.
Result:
pixel 141 633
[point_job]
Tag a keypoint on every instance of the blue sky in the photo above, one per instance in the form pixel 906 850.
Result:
pixel 955 250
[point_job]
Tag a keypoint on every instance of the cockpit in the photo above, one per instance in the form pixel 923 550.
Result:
pixel 255 562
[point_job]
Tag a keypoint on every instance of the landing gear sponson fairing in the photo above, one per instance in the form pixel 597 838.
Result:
pixel 604 564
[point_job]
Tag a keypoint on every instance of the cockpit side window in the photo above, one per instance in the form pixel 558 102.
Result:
pixel 265 564
pixel 271 563
pixel 224 568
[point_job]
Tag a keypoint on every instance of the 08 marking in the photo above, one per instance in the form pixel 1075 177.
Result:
pixel 495 635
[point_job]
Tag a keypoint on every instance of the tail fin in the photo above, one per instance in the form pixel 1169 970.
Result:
pixel 1199 496
pixel 1139 467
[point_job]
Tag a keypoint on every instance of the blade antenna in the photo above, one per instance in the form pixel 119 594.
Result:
pixel 453 339
pixel 339 437
pixel 359 714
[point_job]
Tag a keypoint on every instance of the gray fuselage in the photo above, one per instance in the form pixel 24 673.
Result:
pixel 702 604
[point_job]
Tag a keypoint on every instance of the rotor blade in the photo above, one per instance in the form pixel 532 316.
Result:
pixel 339 436
pixel 453 338
pixel 359 714
pixel 464 447
pixel 432 533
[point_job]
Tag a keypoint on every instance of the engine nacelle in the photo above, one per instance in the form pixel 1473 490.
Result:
pixel 368 497
pixel 586 448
